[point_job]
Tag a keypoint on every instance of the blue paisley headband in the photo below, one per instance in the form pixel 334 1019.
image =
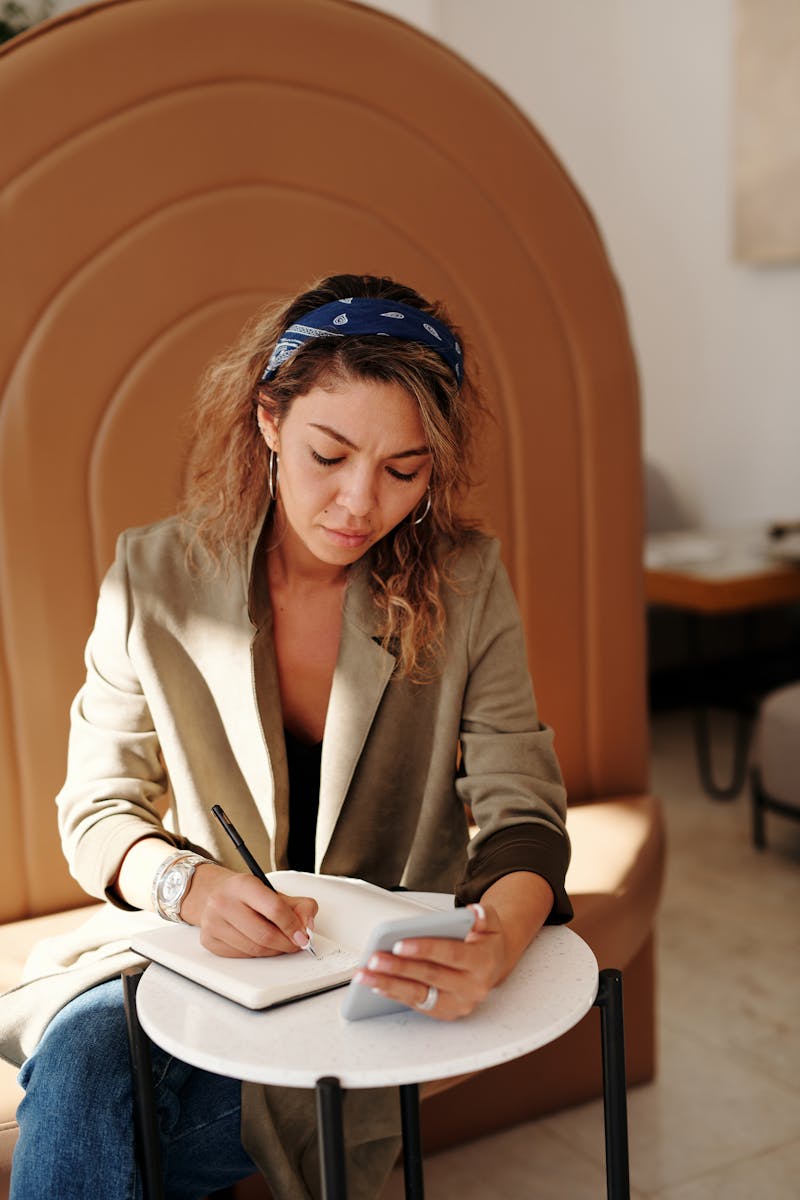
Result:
pixel 366 315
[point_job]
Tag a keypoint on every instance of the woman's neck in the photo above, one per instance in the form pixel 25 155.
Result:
pixel 292 566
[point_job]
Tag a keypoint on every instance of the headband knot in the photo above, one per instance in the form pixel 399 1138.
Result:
pixel 356 316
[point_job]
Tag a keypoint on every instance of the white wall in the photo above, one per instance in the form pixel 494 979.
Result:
pixel 635 96
pixel 422 13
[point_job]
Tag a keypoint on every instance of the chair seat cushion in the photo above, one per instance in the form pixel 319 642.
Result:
pixel 616 874
pixel 777 740
pixel 18 938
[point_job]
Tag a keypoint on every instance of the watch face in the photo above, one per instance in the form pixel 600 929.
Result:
pixel 172 885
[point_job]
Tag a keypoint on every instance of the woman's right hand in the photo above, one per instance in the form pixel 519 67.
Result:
pixel 241 918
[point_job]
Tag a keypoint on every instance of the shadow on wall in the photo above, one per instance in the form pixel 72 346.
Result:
pixel 665 511
pixel 18 15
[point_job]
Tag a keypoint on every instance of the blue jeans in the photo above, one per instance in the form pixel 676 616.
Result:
pixel 76 1118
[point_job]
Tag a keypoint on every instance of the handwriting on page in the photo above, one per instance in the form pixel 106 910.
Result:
pixel 331 954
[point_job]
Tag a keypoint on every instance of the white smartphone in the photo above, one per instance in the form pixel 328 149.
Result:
pixel 359 1001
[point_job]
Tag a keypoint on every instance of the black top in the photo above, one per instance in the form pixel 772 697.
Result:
pixel 303 761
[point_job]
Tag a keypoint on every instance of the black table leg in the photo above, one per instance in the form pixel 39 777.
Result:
pixel 412 1142
pixel 144 1110
pixel 615 1108
pixel 331 1138
pixel 701 717
pixel 741 744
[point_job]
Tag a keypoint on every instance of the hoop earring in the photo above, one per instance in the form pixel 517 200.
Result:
pixel 273 475
pixel 419 520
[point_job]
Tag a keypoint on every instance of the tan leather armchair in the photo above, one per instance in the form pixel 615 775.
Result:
pixel 173 163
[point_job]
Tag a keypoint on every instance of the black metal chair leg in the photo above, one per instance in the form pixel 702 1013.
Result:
pixel 757 796
pixel 615 1106
pixel 412 1142
pixel 148 1144
pixel 331 1138
pixel 764 802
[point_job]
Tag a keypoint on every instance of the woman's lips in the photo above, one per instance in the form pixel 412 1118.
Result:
pixel 347 537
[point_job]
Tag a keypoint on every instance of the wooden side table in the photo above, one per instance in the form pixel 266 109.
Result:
pixel 553 986
pixel 710 575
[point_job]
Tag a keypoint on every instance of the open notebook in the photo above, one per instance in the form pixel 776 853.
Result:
pixel 348 910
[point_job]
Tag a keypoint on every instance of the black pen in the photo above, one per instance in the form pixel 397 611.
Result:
pixel 239 843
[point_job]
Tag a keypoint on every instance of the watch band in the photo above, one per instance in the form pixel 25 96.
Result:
pixel 169 908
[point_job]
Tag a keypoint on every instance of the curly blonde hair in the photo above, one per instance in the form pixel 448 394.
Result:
pixel 226 481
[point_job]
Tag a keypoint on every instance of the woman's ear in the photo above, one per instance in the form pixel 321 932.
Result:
pixel 268 426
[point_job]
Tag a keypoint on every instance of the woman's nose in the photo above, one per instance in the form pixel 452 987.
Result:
pixel 358 494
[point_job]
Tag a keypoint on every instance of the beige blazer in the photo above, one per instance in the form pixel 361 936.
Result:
pixel 182 695
pixel 181 709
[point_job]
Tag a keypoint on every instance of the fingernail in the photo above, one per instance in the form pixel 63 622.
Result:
pixel 400 948
pixel 374 963
pixel 310 925
pixel 300 939
pixel 479 910
pixel 359 977
pixel 377 991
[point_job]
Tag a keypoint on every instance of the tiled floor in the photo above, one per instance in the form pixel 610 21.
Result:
pixel 723 1117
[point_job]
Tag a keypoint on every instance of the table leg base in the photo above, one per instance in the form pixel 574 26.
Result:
pixel 148 1143
pixel 701 719
pixel 412 1142
pixel 615 1105
pixel 330 1127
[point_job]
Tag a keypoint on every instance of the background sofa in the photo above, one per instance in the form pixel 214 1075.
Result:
pixel 172 164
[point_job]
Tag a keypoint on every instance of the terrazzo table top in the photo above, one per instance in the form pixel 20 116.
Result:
pixel 552 987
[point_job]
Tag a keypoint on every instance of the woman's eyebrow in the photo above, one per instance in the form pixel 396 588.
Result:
pixel 417 452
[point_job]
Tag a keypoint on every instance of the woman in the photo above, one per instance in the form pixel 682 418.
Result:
pixel 311 640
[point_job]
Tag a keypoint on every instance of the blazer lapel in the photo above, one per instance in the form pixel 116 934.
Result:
pixel 363 669
pixel 263 752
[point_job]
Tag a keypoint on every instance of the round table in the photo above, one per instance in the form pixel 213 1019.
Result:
pixel 309 1044
pixel 551 988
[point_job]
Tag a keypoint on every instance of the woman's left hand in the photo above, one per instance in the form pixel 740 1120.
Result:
pixel 462 972
pixel 448 978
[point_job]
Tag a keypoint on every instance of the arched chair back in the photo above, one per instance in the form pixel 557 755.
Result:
pixel 169 168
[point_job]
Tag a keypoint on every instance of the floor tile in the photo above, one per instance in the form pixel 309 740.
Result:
pixel 774 1175
pixel 729 933
pixel 726 985
pixel 705 1111
pixel 527 1161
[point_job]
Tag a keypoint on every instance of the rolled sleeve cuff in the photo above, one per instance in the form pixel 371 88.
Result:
pixel 98 855
pixel 536 848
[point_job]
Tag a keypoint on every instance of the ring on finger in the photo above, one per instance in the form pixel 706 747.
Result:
pixel 429 1001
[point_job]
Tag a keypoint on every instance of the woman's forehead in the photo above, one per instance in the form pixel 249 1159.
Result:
pixel 362 411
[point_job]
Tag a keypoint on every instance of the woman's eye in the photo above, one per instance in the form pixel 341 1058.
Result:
pixel 399 475
pixel 325 462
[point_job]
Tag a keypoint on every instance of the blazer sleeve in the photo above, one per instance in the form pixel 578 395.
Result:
pixel 115 774
pixel 509 775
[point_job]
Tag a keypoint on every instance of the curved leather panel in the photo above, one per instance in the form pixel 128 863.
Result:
pixel 190 169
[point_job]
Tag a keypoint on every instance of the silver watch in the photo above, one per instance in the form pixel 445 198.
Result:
pixel 171 883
